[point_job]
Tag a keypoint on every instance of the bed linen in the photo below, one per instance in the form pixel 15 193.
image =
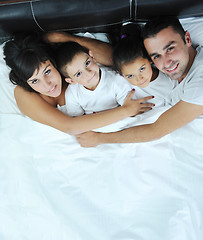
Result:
pixel 51 188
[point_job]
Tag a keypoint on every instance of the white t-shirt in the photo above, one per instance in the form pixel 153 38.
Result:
pixel 190 89
pixel 160 88
pixel 110 93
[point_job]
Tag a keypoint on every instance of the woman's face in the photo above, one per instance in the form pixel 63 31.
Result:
pixel 46 80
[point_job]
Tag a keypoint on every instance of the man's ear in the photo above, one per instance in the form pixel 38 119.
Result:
pixel 69 80
pixel 188 39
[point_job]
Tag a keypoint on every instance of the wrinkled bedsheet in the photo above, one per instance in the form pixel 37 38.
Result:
pixel 51 188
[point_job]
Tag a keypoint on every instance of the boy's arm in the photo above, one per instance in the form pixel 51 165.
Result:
pixel 73 107
pixel 121 88
pixel 102 51
pixel 174 118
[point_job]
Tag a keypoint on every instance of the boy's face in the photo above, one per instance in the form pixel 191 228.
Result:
pixel 169 52
pixel 83 70
pixel 138 72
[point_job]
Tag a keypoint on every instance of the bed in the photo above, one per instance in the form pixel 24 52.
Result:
pixel 51 188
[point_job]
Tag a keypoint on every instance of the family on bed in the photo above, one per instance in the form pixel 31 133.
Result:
pixel 86 88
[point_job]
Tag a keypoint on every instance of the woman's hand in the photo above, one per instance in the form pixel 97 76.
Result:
pixel 136 106
pixel 88 139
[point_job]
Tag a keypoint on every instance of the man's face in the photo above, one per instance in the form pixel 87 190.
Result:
pixel 170 53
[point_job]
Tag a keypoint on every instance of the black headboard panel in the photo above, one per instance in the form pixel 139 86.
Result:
pixel 86 15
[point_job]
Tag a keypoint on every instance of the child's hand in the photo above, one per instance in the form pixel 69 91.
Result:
pixel 137 106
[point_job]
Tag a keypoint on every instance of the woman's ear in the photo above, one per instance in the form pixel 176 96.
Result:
pixel 69 80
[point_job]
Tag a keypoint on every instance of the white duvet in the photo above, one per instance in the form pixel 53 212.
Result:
pixel 52 189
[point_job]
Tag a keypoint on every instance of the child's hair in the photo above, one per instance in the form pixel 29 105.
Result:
pixel 65 54
pixel 129 48
pixel 155 25
pixel 24 54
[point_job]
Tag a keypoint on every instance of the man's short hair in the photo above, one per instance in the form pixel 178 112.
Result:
pixel 155 25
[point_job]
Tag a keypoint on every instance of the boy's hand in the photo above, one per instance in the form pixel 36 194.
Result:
pixel 137 106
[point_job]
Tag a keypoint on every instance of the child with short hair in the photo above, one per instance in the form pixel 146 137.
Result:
pixel 92 88
pixel 133 63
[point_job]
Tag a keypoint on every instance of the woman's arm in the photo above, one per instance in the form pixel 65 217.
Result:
pixel 102 51
pixel 35 107
pixel 174 118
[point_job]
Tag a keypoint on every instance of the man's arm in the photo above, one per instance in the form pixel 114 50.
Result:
pixel 102 51
pixel 174 118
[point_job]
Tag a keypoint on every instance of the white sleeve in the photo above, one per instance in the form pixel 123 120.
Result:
pixel 121 87
pixel 193 91
pixel 73 106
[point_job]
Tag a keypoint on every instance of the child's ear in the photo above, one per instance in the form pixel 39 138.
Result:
pixel 91 54
pixel 69 80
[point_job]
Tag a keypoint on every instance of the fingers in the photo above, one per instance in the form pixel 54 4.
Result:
pixel 130 94
pixel 144 99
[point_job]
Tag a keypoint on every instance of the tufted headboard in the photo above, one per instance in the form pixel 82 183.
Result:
pixel 86 15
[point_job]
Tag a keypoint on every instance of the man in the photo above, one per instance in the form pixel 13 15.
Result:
pixel 170 48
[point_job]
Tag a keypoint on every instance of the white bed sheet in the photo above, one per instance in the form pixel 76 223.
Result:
pixel 51 188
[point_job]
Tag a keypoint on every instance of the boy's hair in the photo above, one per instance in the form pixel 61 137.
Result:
pixel 65 54
pixel 154 26
pixel 24 54
pixel 129 48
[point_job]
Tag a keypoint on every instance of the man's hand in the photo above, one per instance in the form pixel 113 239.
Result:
pixel 57 37
pixel 88 139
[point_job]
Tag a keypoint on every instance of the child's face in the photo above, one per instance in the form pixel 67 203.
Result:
pixel 83 70
pixel 138 72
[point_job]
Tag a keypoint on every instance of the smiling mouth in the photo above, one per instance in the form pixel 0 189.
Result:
pixel 173 69
pixel 53 89
pixel 143 82
pixel 91 78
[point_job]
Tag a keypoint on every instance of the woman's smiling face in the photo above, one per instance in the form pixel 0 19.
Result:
pixel 46 80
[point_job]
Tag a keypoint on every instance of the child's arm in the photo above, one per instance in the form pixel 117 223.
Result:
pixel 36 108
pixel 174 118
pixel 73 107
pixel 102 51
pixel 121 88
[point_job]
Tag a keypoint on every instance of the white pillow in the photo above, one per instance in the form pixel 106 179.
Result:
pixel 194 26
pixel 7 99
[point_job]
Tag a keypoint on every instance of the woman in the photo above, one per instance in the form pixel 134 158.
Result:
pixel 40 88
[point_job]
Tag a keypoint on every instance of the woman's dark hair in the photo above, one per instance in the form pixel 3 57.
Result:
pixel 65 54
pixel 129 48
pixel 155 25
pixel 24 54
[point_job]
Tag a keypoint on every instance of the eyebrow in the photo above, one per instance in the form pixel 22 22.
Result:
pixel 46 68
pixel 164 48
pixel 79 69
pixel 142 65
pixel 133 74
pixel 31 80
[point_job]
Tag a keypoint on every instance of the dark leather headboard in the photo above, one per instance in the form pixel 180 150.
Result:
pixel 86 15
